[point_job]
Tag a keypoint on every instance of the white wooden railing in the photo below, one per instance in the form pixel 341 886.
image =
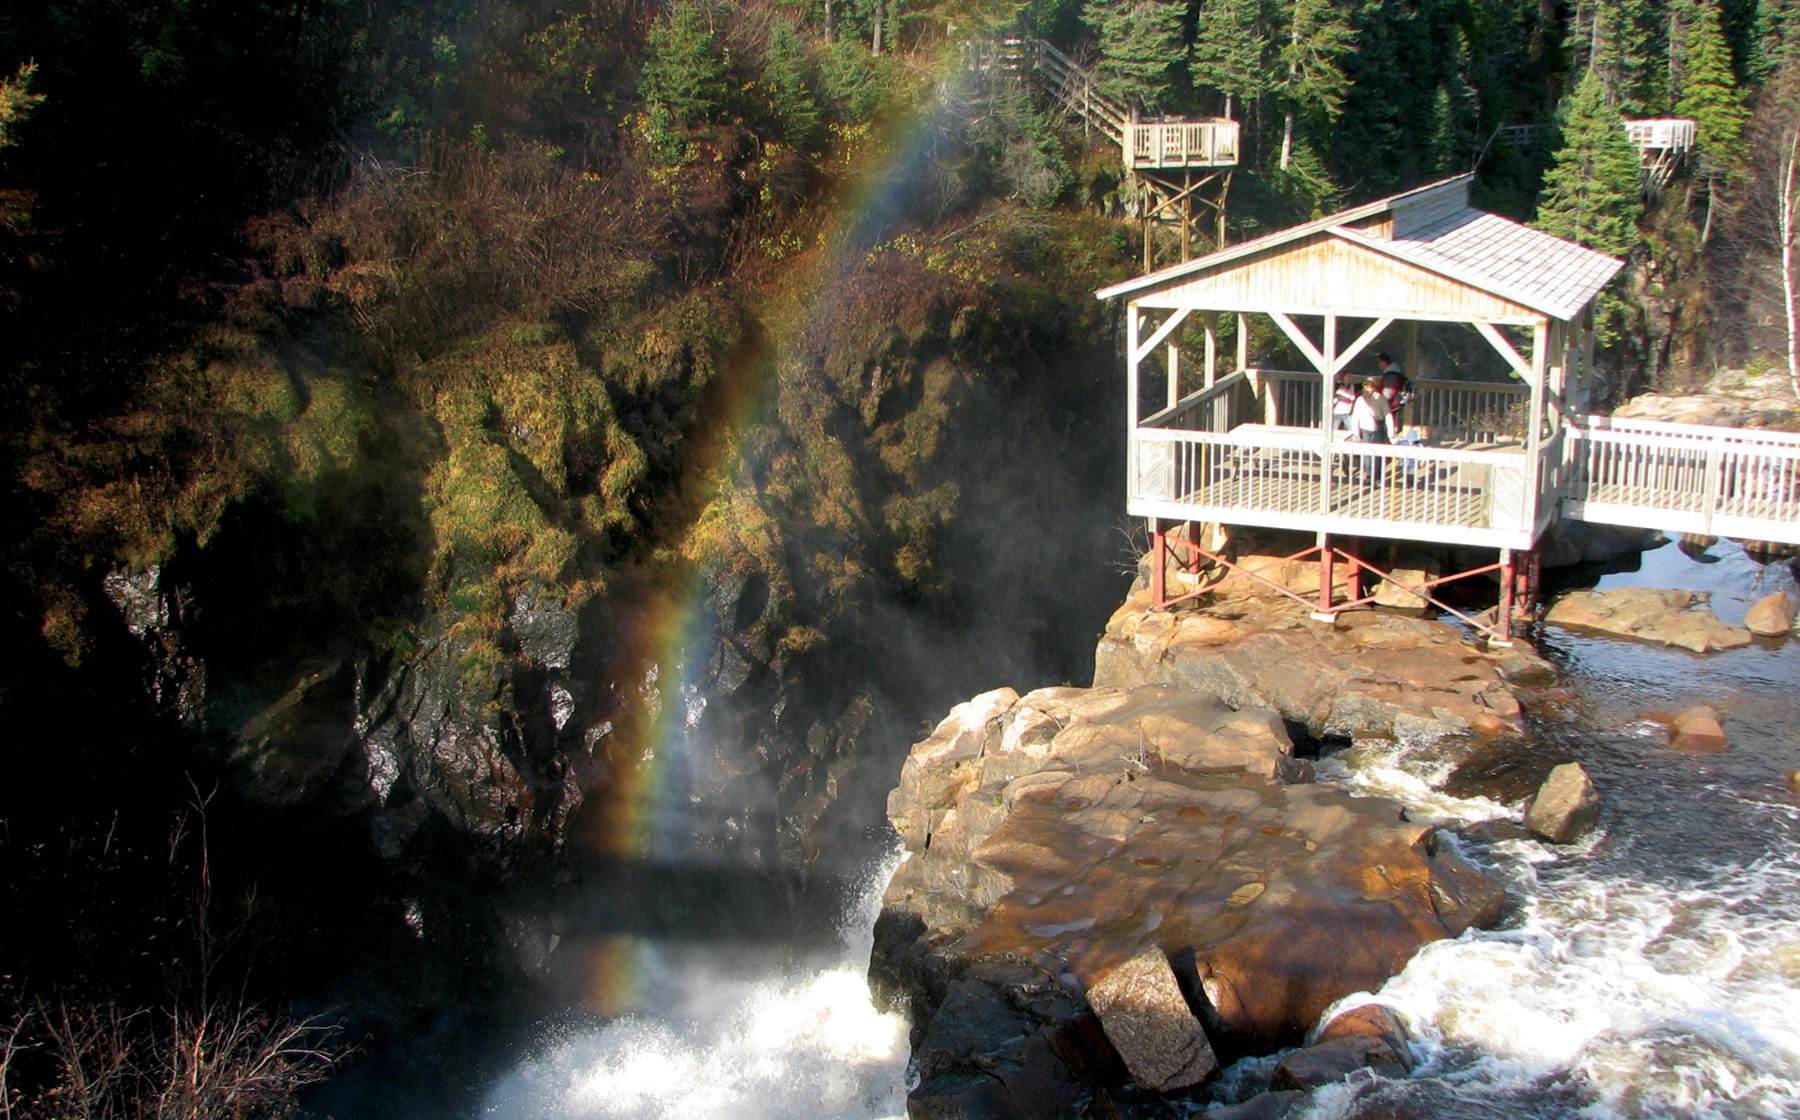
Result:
pixel 1252 449
pixel 1685 478
pixel 1185 143
pixel 1449 411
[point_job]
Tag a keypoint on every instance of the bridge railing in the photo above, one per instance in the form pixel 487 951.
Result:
pixel 1686 478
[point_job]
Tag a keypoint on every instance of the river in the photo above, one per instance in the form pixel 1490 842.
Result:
pixel 1652 970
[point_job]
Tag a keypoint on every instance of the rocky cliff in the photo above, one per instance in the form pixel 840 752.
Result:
pixel 1107 891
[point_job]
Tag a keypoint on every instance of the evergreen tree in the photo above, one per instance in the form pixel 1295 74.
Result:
pixel 1141 48
pixel 1709 90
pixel 683 78
pixel 1623 42
pixel 1318 39
pixel 1592 192
pixel 785 84
pixel 1775 36
pixel 16 102
pixel 1232 51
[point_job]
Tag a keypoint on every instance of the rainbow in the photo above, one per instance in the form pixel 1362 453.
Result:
pixel 641 802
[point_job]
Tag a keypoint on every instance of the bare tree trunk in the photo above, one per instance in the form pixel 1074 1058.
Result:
pixel 1787 217
pixel 1287 138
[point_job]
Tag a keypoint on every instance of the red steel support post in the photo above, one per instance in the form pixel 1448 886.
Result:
pixel 1159 561
pixel 1508 587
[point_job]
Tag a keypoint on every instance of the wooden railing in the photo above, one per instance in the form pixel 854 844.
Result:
pixel 1448 411
pixel 1686 478
pixel 1187 143
pixel 1073 86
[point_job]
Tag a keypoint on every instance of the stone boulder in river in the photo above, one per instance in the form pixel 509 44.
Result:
pixel 1669 617
pixel 1051 838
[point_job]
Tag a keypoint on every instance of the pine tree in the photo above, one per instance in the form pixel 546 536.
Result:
pixel 682 79
pixel 1141 48
pixel 784 80
pixel 1592 192
pixel 16 101
pixel 1319 38
pixel 1709 90
pixel 1624 44
pixel 1232 51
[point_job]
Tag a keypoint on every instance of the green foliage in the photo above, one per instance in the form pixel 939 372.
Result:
pixel 1232 50
pixel 1709 90
pixel 787 82
pixel 1624 44
pixel 681 82
pixel 16 102
pixel 1142 53
pixel 1592 193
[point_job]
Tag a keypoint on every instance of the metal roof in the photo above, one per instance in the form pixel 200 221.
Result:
pixel 1450 238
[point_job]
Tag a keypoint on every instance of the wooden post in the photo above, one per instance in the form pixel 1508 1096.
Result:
pixel 1210 319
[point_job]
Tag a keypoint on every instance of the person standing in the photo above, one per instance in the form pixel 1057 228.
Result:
pixel 1372 421
pixel 1343 401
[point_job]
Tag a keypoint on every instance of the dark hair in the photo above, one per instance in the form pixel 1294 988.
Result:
pixel 1384 359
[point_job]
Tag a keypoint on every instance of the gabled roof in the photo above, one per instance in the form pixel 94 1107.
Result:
pixel 1435 229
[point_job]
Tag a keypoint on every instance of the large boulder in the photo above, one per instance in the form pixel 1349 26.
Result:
pixel 1669 617
pixel 1369 673
pixel 1771 616
pixel 1069 830
pixel 1566 805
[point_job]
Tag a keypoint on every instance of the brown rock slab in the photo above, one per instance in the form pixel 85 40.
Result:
pixel 1771 616
pixel 1669 617
pixel 1369 673
pixel 1700 728
pixel 1147 1020
pixel 1565 806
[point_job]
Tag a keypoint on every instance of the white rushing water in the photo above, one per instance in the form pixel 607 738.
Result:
pixel 1652 970
pixel 726 1038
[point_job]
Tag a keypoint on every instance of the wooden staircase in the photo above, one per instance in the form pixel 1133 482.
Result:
pixel 1175 169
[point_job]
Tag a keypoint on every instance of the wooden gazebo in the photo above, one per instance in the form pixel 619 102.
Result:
pixel 1236 444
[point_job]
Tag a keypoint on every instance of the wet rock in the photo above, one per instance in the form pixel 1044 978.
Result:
pixel 1370 673
pixel 1700 728
pixel 1005 1043
pixel 1772 616
pixel 1372 1020
pixel 1148 1022
pixel 1565 806
pixel 1327 1063
pixel 1084 823
pixel 1669 617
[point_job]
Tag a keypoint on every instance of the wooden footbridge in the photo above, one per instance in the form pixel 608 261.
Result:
pixel 1494 450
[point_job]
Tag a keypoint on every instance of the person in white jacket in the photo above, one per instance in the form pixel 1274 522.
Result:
pixel 1372 421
